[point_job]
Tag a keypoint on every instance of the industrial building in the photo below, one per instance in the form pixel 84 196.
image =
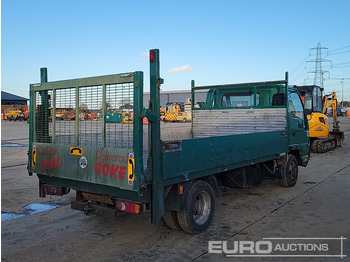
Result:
pixel 10 99
pixel 12 102
pixel 175 96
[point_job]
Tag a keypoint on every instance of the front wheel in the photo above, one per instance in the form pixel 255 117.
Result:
pixel 200 207
pixel 290 172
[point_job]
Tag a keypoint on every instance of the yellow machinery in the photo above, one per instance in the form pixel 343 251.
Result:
pixel 316 105
pixel 14 114
pixel 172 110
pixel 178 112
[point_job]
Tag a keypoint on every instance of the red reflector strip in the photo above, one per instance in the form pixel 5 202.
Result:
pixel 152 56
pixel 128 207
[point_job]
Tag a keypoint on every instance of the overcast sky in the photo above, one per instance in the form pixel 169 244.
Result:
pixel 212 42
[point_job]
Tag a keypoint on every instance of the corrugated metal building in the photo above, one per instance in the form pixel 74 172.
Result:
pixel 174 96
pixel 10 99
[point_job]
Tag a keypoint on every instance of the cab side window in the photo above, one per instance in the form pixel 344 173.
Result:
pixel 295 106
pixel 240 100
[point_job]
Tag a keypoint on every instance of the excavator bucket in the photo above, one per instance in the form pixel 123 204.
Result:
pixel 338 135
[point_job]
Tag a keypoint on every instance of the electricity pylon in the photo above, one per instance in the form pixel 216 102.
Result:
pixel 319 72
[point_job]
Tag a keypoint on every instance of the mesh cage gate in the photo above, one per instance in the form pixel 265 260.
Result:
pixel 97 115
pixel 65 116
pixel 120 113
pixel 88 132
pixel 90 115
pixel 43 116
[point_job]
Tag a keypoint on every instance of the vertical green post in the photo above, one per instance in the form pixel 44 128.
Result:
pixel 43 75
pixel 255 92
pixel 104 112
pixel 44 110
pixel 31 128
pixel 138 126
pixel 157 187
pixel 192 105
pixel 77 116
pixel 287 109
pixel 54 116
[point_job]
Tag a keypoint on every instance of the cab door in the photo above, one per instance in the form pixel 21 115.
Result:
pixel 298 131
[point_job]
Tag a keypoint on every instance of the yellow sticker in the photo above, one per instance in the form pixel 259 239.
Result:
pixel 131 168
pixel 76 151
pixel 34 156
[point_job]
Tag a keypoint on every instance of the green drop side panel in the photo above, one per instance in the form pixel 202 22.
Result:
pixel 205 156
pixel 72 141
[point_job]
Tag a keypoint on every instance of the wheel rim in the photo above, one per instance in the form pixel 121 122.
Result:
pixel 201 208
pixel 292 172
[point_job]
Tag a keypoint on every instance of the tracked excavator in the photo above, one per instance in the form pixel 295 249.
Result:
pixel 316 104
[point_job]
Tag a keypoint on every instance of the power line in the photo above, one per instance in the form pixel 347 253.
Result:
pixel 339 78
pixel 341 66
pixel 295 78
pixel 347 51
pixel 343 79
pixel 342 63
pixel 337 38
pixel 294 73
pixel 331 51
pixel 302 63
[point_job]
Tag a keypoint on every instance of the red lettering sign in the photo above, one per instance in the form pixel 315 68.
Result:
pixel 105 169
pixel 50 163
pixel 114 169
pixel 98 167
pixel 110 157
pixel 46 151
pixel 122 172
pixel 111 170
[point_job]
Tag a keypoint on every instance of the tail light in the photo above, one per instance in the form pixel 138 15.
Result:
pixel 152 56
pixel 128 207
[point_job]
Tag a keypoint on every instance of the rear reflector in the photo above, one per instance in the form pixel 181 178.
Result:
pixel 152 56
pixel 128 207
pixel 181 189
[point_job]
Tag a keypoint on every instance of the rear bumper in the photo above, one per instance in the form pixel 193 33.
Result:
pixel 94 209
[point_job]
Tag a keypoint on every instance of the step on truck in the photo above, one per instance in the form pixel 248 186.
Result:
pixel 241 134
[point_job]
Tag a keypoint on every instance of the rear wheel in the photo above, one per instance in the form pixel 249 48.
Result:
pixel 200 207
pixel 170 218
pixel 290 173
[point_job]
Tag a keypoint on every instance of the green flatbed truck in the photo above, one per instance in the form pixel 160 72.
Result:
pixel 243 133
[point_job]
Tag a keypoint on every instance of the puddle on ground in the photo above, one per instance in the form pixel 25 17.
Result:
pixel 13 145
pixel 32 208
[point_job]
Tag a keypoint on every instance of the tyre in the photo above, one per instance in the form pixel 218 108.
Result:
pixel 170 218
pixel 320 147
pixel 314 146
pixel 290 173
pixel 200 208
